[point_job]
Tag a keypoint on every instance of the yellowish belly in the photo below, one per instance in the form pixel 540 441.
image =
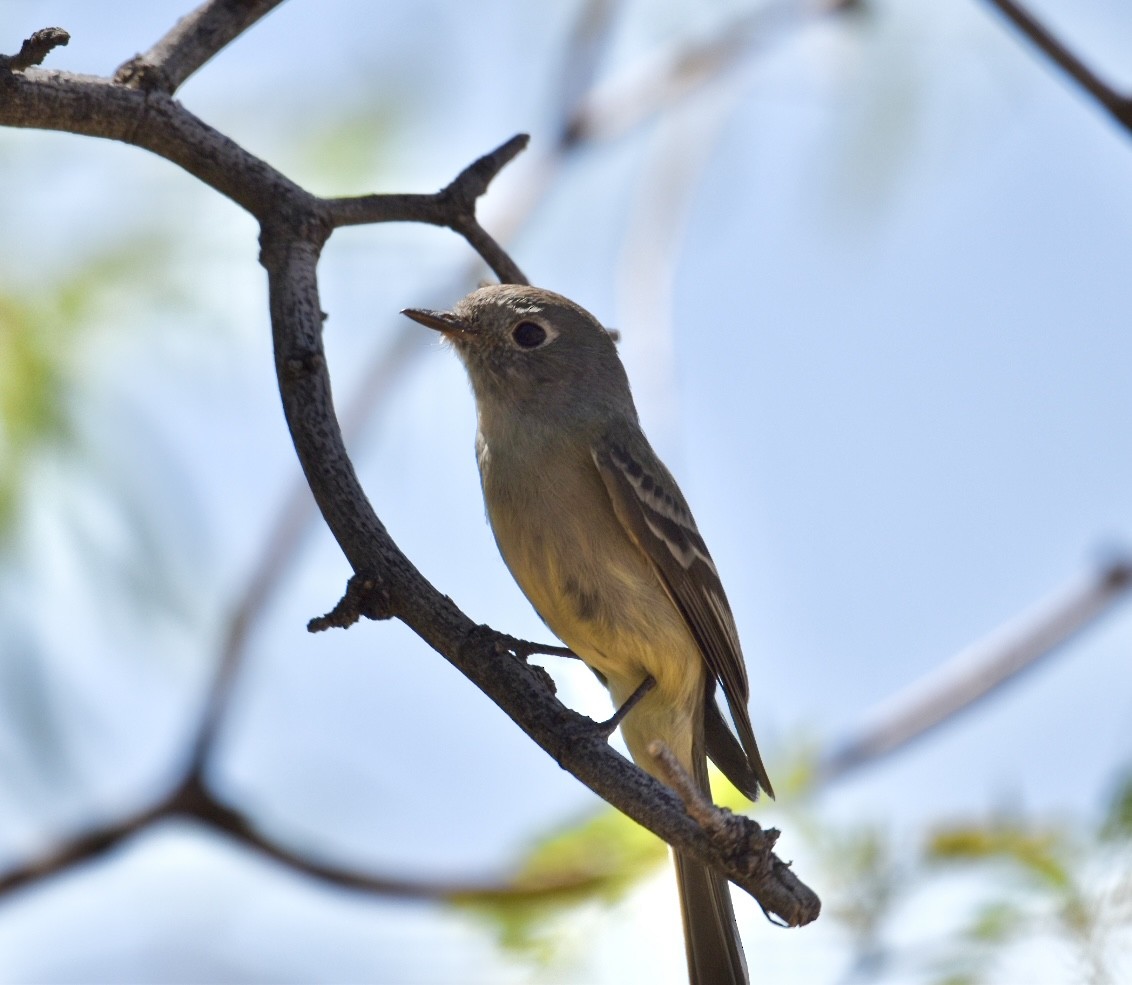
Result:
pixel 601 596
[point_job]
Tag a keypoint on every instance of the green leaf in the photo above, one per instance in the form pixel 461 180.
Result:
pixel 33 354
pixel 44 330
pixel 1117 825
pixel 996 923
pixel 599 858
pixel 1038 852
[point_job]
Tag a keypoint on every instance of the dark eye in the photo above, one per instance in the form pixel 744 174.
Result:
pixel 529 335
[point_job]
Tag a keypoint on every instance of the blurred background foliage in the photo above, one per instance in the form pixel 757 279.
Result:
pixel 143 459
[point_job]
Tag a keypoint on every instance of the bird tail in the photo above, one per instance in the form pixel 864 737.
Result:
pixel 711 936
pixel 715 956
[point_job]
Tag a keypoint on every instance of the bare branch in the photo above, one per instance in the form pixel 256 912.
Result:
pixel 79 849
pixel 454 206
pixel 585 47
pixel 193 801
pixel 579 70
pixel 97 107
pixel 35 49
pixel 979 670
pixel 786 896
pixel 698 806
pixel 281 545
pixel 193 41
pixel 365 598
pixel 1118 105
pixel 665 77
pixel 574 741
pixel 294 227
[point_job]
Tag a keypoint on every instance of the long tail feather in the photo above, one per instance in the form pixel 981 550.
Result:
pixel 715 956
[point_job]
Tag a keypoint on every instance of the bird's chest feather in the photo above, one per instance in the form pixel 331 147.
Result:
pixel 591 584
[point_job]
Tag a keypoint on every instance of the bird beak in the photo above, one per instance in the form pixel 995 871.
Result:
pixel 442 321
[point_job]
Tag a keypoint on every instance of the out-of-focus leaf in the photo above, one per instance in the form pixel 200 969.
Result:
pixel 599 858
pixel 33 353
pixel 1038 852
pixel 796 768
pixel 43 331
pixel 1117 824
pixel 996 923
pixel 868 879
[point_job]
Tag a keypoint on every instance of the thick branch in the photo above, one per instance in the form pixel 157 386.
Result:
pixel 294 226
pixel 97 107
pixel 193 41
pixel 1118 105
pixel 629 100
pixel 575 742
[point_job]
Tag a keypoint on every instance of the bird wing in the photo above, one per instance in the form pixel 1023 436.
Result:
pixel 652 510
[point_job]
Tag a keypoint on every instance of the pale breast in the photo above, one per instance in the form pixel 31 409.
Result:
pixel 585 576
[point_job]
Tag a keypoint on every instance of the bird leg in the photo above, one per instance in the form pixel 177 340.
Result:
pixel 609 726
pixel 523 649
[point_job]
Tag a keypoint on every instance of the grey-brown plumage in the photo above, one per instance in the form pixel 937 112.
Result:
pixel 596 532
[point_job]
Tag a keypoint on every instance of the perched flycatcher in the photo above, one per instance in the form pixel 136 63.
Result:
pixel 600 539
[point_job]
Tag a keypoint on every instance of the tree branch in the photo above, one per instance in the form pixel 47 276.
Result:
pixel 581 126
pixel 294 227
pixel 575 742
pixel 978 671
pixel 193 801
pixel 100 108
pixel 453 206
pixel 1118 105
pixel 193 40
pixel 35 49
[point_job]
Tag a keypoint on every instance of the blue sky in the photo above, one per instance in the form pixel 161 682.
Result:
pixel 884 347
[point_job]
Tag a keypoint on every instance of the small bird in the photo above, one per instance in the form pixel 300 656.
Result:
pixel 598 536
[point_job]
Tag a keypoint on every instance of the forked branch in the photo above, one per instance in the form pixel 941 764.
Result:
pixel 136 108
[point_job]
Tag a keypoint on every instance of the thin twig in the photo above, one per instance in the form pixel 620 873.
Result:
pixel 585 48
pixel 787 899
pixel 698 806
pixel 662 78
pixel 193 40
pixel 77 849
pixel 35 49
pixel 1118 104
pixel 453 206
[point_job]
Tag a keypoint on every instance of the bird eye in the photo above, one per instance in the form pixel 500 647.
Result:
pixel 529 335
